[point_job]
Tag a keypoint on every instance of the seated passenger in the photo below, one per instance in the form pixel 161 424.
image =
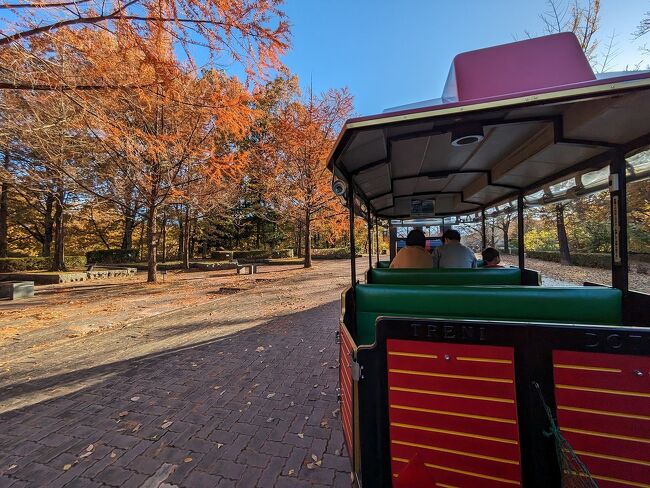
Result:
pixel 452 254
pixel 414 255
pixel 492 258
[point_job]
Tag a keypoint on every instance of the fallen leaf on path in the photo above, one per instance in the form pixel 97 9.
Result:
pixel 291 472
pixel 85 454
pixel 13 466
pixel 66 467
pixel 113 455
pixel 319 462
pixel 259 349
pixel 270 395
pixel 137 428
pixel 310 465
pixel 337 452
pixel 314 457
pixel 216 387
pixel 187 460
pixel 123 414
pixel 135 398
pixel 90 447
pixel 166 424
pixel 322 350
pixel 219 445
pixel 301 435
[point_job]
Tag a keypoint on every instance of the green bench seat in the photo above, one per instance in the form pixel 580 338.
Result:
pixel 386 264
pixel 586 305
pixel 448 276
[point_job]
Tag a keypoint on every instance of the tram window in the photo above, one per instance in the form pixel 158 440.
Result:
pixel 568 236
pixel 638 220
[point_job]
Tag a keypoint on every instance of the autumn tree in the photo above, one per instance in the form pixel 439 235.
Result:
pixel 306 131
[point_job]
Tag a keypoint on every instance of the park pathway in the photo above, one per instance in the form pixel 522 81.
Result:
pixel 239 392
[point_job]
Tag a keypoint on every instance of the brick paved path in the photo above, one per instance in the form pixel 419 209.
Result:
pixel 224 413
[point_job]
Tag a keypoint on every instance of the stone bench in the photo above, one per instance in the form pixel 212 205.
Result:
pixel 246 268
pixel 16 289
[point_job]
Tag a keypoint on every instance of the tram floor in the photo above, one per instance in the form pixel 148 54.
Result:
pixel 239 391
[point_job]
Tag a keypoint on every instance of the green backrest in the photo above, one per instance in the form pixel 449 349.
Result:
pixel 587 305
pixel 447 276
pixel 383 264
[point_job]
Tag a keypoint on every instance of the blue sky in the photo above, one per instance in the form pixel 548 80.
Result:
pixel 393 52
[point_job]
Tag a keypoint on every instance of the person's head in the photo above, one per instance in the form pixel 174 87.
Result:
pixel 491 256
pixel 450 235
pixel 416 238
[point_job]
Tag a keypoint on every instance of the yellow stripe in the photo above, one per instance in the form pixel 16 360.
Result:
pixel 608 478
pixel 455 414
pixel 609 436
pixel 469 473
pixel 603 390
pixel 453 432
pixel 587 368
pixel 443 485
pixel 412 355
pixel 605 412
pixel 399 460
pixel 452 395
pixel 484 360
pixel 452 376
pixel 613 458
pixel 460 453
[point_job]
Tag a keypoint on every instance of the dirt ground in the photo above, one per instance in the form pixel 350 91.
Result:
pixel 577 275
pixel 81 325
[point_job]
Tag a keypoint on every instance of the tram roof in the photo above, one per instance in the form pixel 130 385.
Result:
pixel 539 113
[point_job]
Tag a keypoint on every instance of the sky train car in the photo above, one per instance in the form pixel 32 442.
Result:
pixel 482 378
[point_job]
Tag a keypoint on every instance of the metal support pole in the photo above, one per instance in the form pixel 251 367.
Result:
pixel 618 221
pixel 521 249
pixel 369 222
pixel 483 230
pixel 393 241
pixel 353 249
pixel 377 239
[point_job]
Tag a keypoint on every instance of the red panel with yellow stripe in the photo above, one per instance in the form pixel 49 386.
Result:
pixel 453 411
pixel 347 388
pixel 603 409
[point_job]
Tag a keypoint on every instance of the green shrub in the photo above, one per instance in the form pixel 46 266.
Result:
pixel 331 253
pixel 75 262
pixel 37 263
pixel 113 256
pixel 252 254
pixel 586 259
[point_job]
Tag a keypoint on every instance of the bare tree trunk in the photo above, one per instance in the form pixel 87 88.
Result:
pixel 152 265
pixel 127 229
pixel 563 240
pixel 186 239
pixel 299 238
pixel 492 239
pixel 58 263
pixel 164 237
pixel 141 240
pixel 4 212
pixel 181 236
pixel 48 225
pixel 506 244
pixel 307 239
